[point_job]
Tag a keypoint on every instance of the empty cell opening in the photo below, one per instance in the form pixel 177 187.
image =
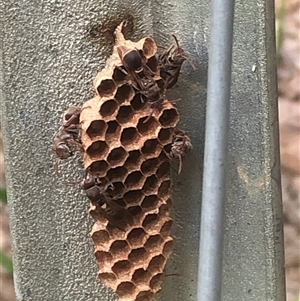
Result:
pixel 137 256
pixel 141 276
pixel 137 103
pixel 133 160
pixel 125 114
pixel 103 257
pixel 100 237
pixel 165 136
pixel 135 179
pixel 163 170
pixel 157 264
pixel 164 210
pixel 151 221
pixel 129 136
pixel 135 210
pixel 133 197
pixel 151 147
pixel 166 228
pixel 149 47
pixel 121 268
pixel 118 76
pixel 156 281
pixel 150 202
pixel 96 128
pixel 146 128
pixel 136 237
pixel 154 242
pixel 144 296
pixel 119 248
pixel 107 278
pixel 169 118
pixel 152 63
pixel 106 87
pixel 150 184
pixel 124 93
pixel 117 156
pixel 125 289
pixel 116 174
pixel 98 168
pixel 149 167
pixel 108 108
pixel 97 149
pixel 168 247
pixel 113 131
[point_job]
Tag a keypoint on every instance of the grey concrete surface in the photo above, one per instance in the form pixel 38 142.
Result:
pixel 50 52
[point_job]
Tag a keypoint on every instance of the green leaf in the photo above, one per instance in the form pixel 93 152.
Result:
pixel 6 262
pixel 280 29
pixel 3 197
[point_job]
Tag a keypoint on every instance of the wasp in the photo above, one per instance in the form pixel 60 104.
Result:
pixel 132 59
pixel 97 193
pixel 134 65
pixel 180 147
pixel 67 137
pixel 141 77
pixel 67 140
pixel 170 62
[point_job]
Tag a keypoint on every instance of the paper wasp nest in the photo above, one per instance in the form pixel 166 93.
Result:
pixel 128 136
pixel 125 147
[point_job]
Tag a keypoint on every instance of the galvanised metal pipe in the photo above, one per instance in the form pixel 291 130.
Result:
pixel 216 136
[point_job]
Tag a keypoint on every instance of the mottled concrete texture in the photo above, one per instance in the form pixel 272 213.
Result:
pixel 51 50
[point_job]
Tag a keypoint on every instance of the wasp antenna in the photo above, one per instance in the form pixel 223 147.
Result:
pixel 173 274
pixel 56 167
pixel 70 183
pixel 180 164
pixel 191 63
pixel 147 119
pixel 87 107
pixel 174 101
pixel 176 40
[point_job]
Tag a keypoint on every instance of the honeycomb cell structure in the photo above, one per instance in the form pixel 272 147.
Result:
pixel 126 143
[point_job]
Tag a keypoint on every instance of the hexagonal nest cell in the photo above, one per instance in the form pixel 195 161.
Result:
pixel 97 149
pixel 108 108
pixel 125 114
pixel 106 87
pixel 130 138
pixel 125 144
pixel 96 128
pixel 124 93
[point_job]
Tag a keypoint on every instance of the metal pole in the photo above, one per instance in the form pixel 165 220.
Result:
pixel 217 124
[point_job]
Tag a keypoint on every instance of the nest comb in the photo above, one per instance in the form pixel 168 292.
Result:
pixel 125 147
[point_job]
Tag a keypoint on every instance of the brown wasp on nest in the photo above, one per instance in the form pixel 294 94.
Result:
pixel 127 134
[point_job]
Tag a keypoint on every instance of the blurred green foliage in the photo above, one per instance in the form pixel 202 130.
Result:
pixel 279 28
pixel 3 197
pixel 6 262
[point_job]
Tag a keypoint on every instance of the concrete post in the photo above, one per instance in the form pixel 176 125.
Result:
pixel 51 50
